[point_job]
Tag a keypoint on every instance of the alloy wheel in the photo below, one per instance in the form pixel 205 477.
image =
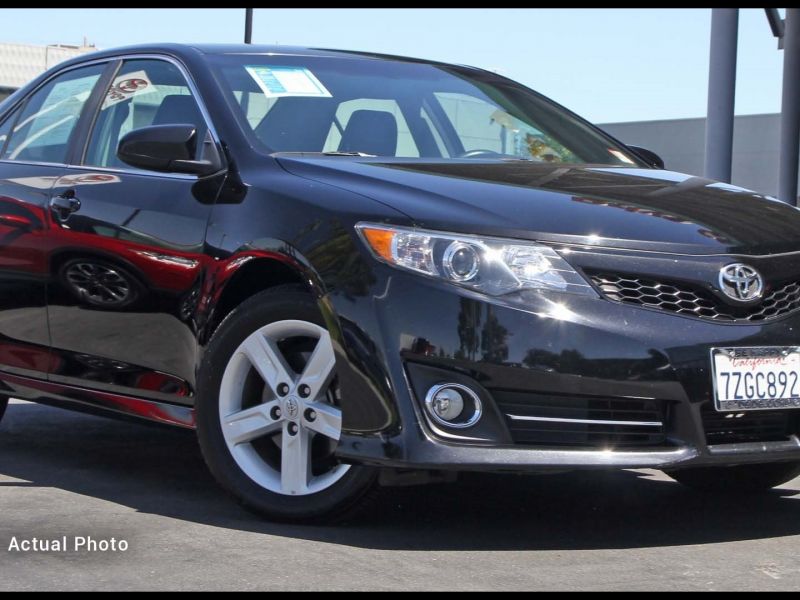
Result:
pixel 277 408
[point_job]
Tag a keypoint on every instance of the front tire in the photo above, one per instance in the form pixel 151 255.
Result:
pixel 267 411
pixel 737 479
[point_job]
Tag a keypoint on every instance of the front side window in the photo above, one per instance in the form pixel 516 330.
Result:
pixel 403 109
pixel 41 133
pixel 144 92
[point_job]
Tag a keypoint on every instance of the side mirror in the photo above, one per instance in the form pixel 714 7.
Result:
pixel 169 149
pixel 650 157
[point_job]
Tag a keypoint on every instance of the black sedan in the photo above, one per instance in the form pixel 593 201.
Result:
pixel 347 270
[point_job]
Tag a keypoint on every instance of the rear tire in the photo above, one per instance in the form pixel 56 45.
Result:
pixel 267 439
pixel 737 479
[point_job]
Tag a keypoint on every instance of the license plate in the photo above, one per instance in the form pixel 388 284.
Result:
pixel 756 378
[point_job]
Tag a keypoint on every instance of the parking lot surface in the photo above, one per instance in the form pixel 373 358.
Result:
pixel 79 476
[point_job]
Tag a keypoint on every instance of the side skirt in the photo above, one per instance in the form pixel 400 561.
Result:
pixel 46 392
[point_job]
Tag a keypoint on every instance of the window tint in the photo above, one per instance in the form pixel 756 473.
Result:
pixel 482 125
pixel 405 142
pixel 254 105
pixel 49 116
pixel 396 108
pixel 143 93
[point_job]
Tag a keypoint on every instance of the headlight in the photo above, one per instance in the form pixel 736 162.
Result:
pixel 491 266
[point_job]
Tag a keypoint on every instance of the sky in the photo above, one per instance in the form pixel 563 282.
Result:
pixel 608 65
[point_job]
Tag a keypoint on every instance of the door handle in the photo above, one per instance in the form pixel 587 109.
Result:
pixel 16 221
pixel 65 204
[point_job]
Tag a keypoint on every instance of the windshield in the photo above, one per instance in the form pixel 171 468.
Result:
pixel 403 109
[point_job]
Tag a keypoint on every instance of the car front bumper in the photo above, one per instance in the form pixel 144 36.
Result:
pixel 413 332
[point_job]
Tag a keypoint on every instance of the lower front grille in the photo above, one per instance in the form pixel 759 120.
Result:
pixel 583 421
pixel 746 427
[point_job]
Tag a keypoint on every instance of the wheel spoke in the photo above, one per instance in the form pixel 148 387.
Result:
pixel 295 461
pixel 111 293
pixel 267 360
pixel 319 369
pixel 327 420
pixel 251 423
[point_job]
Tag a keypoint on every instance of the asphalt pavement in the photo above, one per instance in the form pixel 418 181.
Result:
pixel 93 479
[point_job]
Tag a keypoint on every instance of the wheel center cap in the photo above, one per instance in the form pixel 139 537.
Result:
pixel 291 407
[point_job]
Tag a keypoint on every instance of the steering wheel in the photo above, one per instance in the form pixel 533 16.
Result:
pixel 479 153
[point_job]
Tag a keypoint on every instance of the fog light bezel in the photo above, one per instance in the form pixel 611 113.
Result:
pixel 467 395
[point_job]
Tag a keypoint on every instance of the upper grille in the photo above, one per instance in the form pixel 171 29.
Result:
pixel 690 300
pixel 544 420
pixel 743 427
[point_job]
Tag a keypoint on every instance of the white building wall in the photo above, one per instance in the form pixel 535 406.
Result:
pixel 19 63
pixel 681 143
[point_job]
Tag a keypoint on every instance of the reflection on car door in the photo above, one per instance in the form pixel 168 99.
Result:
pixel 126 249
pixel 34 142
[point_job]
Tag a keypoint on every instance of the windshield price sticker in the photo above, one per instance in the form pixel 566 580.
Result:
pixel 278 82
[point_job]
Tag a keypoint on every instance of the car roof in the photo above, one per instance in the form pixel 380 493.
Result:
pixel 182 50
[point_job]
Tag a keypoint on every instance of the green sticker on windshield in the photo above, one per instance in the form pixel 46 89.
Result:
pixel 277 82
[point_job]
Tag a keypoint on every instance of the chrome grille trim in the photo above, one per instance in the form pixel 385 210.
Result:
pixel 586 421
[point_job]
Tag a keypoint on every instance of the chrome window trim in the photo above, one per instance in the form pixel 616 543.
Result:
pixel 108 59
pixel 141 172
pixel 32 163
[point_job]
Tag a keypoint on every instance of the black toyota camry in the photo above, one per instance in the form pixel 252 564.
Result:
pixel 349 270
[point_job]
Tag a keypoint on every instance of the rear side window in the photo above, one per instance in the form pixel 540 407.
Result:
pixel 42 131
pixel 5 128
pixel 144 92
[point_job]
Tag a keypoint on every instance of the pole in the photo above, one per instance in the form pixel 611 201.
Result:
pixel 721 93
pixel 790 109
pixel 248 25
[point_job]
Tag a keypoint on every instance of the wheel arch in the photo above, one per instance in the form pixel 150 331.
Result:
pixel 247 273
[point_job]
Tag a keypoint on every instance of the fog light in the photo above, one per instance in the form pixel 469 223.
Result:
pixel 447 404
pixel 453 405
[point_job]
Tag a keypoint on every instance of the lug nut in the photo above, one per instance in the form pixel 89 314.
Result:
pixel 275 413
pixel 311 414
pixel 292 428
pixel 305 391
pixel 283 389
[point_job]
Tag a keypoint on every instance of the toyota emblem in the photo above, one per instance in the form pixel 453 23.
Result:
pixel 741 282
pixel 291 407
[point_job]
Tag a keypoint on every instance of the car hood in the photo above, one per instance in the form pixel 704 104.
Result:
pixel 617 207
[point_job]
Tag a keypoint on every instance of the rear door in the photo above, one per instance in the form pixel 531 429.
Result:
pixel 34 144
pixel 126 249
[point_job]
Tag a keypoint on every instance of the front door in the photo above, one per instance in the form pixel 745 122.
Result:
pixel 126 250
pixel 34 143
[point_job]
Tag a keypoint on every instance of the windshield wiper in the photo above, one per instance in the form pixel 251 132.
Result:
pixel 337 153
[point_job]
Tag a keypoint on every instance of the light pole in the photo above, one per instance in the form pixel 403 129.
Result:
pixel 248 25
pixel 721 93
pixel 790 109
